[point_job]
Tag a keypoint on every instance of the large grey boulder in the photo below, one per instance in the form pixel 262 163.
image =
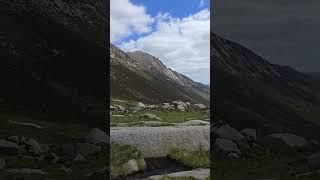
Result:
pixel 140 105
pixel 80 158
pixel 87 149
pixel 158 141
pixel 150 116
pixel 167 106
pixel 249 134
pixel 200 106
pixel 181 108
pixel 195 123
pixel 97 136
pixel 180 103
pixel 225 146
pixel 7 146
pixel 227 132
pixel 14 139
pixel 283 141
pixel 197 174
pixel 314 160
pixel 131 167
pixel 32 145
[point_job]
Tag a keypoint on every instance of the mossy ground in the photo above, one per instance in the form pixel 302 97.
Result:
pixel 168 117
pixel 197 159
pixel 263 165
pixel 51 133
pixel 120 155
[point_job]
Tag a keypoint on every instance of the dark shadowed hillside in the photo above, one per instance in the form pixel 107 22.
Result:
pixel 53 59
pixel 140 76
pixel 251 92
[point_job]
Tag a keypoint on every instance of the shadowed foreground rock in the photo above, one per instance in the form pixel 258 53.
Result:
pixel 157 141
pixel 198 174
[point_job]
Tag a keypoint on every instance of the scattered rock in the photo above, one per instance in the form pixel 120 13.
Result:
pixel 140 105
pixel 284 140
pixel 53 158
pixel 181 108
pixel 7 146
pixel 14 139
pixel 303 175
pixel 198 174
pixel 167 106
pixel 87 149
pixel 233 156
pixel 200 106
pixel 2 163
pixel 118 115
pixel 27 171
pixel 180 103
pixel 249 134
pixel 225 146
pixel 150 116
pixel 66 170
pixel 227 132
pixel 97 136
pixel 32 145
pixel 194 123
pixel 25 124
pixel 131 167
pixel 80 158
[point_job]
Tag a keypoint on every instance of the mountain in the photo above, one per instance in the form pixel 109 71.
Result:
pixel 53 59
pixel 141 76
pixel 251 92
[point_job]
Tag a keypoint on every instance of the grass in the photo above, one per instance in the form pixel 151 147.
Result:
pixel 167 117
pixel 197 159
pixel 51 133
pixel 120 155
pixel 264 166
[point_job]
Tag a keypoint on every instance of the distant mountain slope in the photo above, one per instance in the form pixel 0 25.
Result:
pixel 53 59
pixel 140 76
pixel 251 92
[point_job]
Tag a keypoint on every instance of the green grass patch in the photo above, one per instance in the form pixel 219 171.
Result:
pixel 173 116
pixel 197 159
pixel 119 156
pixel 265 166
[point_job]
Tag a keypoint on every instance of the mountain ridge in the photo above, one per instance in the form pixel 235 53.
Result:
pixel 250 91
pixel 150 69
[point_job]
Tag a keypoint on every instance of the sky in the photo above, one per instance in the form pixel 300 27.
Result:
pixel 175 31
pixel 284 32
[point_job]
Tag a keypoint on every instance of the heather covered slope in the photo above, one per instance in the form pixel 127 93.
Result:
pixel 53 59
pixel 142 77
pixel 251 92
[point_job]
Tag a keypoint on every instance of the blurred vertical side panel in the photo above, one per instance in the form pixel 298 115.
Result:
pixel 54 89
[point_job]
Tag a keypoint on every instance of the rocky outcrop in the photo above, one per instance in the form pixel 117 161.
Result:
pixel 284 141
pixel 197 174
pixel 158 141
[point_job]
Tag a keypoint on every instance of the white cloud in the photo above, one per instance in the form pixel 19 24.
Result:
pixel 126 19
pixel 183 44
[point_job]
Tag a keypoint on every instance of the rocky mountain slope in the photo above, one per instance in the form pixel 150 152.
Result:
pixel 53 59
pixel 251 92
pixel 138 75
